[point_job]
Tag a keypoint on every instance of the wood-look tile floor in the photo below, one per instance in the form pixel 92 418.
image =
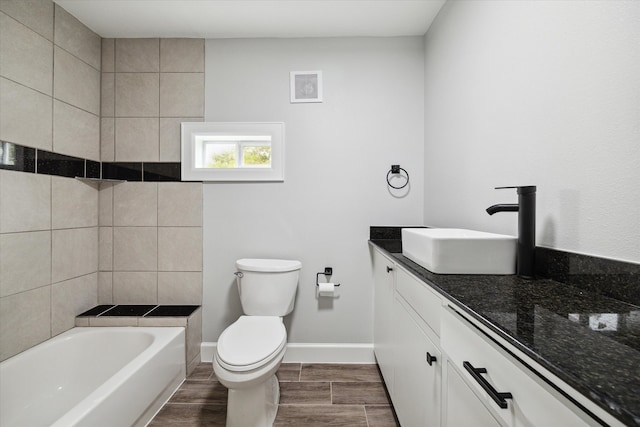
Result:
pixel 318 395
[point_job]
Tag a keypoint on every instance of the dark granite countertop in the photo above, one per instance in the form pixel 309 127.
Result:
pixel 590 341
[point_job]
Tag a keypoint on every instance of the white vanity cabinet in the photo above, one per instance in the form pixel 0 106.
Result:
pixel 418 373
pixel 383 328
pixel 477 369
pixel 441 365
pixel 405 330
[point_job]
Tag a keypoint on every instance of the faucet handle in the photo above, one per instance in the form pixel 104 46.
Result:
pixel 522 189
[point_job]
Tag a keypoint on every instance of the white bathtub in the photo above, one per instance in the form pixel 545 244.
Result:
pixel 93 377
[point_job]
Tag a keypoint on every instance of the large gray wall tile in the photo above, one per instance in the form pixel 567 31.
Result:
pixel 105 287
pixel 73 203
pixel 137 55
pixel 154 321
pixel 105 214
pixel 178 287
pixel 76 38
pixel 179 249
pixel 182 55
pixel 105 249
pixel 135 204
pixel 74 253
pixel 70 298
pixel 113 321
pixel 180 204
pixel 137 139
pixel 107 139
pixel 25 116
pixel 26 202
pixel 25 320
pixel 75 82
pixel 194 334
pixel 170 137
pixel 75 131
pixel 137 95
pixel 108 55
pixel 25 261
pixel 181 94
pixel 107 100
pixel 35 14
pixel 26 56
pixel 135 287
pixel 135 248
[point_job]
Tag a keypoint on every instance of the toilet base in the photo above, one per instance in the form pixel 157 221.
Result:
pixel 255 406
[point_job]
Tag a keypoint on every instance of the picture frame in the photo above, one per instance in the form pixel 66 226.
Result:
pixel 305 86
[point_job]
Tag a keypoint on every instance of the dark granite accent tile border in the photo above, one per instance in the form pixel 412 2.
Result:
pixel 156 172
pixel 17 157
pixel 97 310
pixel 59 164
pixel 20 158
pixel 126 171
pixel 140 310
pixel 129 310
pixel 616 279
pixel 92 169
pixel 172 311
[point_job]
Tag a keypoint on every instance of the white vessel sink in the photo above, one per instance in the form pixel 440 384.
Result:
pixel 460 251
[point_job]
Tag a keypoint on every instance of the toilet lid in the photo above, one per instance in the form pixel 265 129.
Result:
pixel 251 341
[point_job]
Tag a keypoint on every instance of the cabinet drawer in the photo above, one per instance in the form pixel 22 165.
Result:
pixel 422 299
pixel 532 403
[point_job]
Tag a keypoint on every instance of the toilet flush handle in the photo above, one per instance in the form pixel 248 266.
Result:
pixel 239 274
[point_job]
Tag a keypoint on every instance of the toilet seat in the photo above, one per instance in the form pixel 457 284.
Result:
pixel 251 342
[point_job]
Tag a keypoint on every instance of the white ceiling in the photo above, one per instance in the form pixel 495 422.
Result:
pixel 254 18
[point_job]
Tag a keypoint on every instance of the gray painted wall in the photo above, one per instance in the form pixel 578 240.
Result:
pixel 337 155
pixel 542 93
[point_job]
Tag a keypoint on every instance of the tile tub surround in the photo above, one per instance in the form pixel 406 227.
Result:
pixel 148 87
pixel 559 325
pixel 57 108
pixel 187 316
pixel 49 110
pixel 48 256
pixel 310 394
pixel 151 243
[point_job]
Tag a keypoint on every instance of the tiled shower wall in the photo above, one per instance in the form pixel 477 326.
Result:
pixel 150 233
pixel 149 86
pixel 49 99
pixel 66 245
pixel 150 243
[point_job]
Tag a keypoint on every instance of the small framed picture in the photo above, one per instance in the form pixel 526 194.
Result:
pixel 306 86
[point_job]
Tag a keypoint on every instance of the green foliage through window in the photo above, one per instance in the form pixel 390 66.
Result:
pixel 257 155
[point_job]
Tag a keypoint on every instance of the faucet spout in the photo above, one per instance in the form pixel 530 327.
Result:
pixel 502 208
pixel 526 208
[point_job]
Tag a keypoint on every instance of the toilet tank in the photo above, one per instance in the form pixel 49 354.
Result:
pixel 267 287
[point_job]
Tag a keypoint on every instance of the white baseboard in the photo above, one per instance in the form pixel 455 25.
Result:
pixel 312 353
pixel 207 349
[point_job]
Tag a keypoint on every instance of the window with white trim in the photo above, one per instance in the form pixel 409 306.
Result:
pixel 232 151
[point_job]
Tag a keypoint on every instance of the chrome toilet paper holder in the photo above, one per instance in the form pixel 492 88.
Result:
pixel 328 271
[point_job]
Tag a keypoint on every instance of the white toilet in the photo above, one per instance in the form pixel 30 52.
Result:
pixel 251 349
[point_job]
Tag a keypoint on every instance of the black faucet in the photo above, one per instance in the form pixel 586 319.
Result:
pixel 526 208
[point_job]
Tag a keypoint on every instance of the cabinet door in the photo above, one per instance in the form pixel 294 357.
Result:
pixel 462 406
pixel 417 387
pixel 383 279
